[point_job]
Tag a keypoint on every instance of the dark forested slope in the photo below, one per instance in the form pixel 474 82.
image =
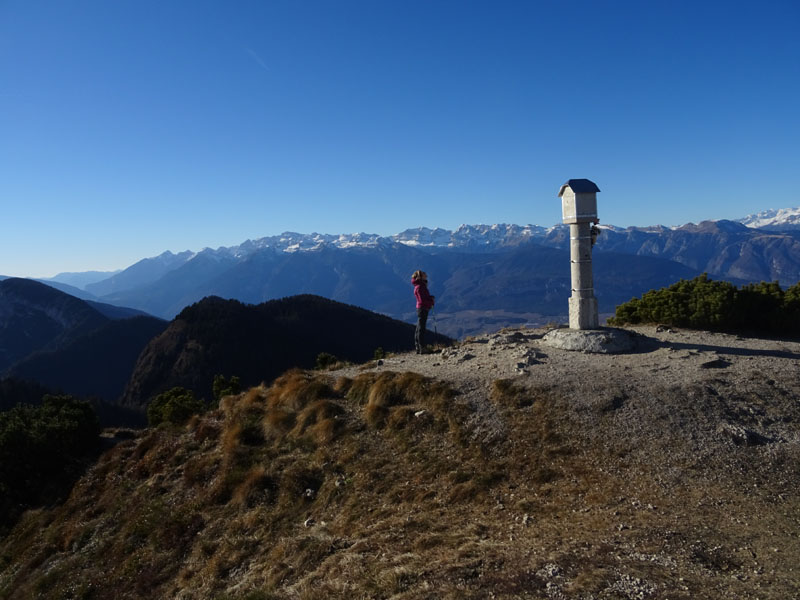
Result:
pixel 258 342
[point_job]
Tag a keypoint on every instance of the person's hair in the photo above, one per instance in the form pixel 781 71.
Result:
pixel 419 276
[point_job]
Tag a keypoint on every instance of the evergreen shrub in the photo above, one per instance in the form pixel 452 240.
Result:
pixel 174 406
pixel 702 303
pixel 42 450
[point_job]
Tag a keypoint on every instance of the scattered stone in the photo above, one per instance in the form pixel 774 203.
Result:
pixel 466 357
pixel 742 436
pixel 515 337
pixel 632 587
pixel 529 357
pixel 549 571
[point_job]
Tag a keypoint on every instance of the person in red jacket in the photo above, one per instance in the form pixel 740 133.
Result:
pixel 424 304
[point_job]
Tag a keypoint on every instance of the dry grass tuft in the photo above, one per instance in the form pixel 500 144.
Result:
pixel 278 422
pixel 227 404
pixel 299 484
pixel 342 385
pixel 199 470
pixel 375 415
pixel 228 479
pixel 230 438
pixel 257 487
pixel 401 417
pixel 314 413
pixel 299 407
pixel 391 389
pixel 244 415
pixel 506 393
pixel 358 389
pixel 325 431
pixel 403 401
pixel 207 429
pixel 295 389
pixel 319 421
pixel 386 393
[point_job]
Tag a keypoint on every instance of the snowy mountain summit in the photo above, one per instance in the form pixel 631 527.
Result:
pixel 471 238
pixel 465 238
pixel 781 219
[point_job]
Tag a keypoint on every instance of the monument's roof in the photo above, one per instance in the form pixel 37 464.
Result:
pixel 580 186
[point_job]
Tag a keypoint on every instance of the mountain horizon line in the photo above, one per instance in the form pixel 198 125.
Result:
pixel 292 241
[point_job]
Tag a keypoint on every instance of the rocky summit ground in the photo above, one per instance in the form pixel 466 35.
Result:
pixel 699 431
pixel 500 467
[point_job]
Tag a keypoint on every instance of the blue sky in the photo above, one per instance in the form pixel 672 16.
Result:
pixel 136 126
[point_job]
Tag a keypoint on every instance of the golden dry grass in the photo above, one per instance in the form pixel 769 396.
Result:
pixel 332 504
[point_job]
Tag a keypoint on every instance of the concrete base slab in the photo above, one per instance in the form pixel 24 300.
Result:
pixel 606 340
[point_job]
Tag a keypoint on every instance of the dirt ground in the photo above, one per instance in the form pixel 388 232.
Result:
pixel 679 473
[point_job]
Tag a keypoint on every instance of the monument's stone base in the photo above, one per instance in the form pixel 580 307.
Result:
pixel 583 313
pixel 601 341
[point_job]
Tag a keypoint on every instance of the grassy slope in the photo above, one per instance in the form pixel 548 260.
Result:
pixel 320 488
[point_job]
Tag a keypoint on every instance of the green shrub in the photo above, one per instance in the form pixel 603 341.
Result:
pixel 225 386
pixel 41 450
pixel 174 406
pixel 701 303
pixel 325 361
pixel 791 307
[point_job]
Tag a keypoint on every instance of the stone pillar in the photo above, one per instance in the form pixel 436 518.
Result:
pixel 579 211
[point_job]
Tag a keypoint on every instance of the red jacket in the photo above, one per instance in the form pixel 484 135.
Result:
pixel 424 299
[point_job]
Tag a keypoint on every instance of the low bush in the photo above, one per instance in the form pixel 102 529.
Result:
pixel 702 303
pixel 42 450
pixel 175 406
pixel 325 361
pixel 225 386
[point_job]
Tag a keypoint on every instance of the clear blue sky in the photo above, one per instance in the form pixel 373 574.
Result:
pixel 130 127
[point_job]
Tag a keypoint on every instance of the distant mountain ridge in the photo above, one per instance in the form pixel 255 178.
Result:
pixel 68 344
pixel 81 279
pixel 35 317
pixel 372 271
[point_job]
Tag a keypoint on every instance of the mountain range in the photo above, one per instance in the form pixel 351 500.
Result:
pixel 511 274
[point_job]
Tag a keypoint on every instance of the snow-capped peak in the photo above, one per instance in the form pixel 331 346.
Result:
pixel 774 219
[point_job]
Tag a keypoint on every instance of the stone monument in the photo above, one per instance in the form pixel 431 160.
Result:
pixel 579 211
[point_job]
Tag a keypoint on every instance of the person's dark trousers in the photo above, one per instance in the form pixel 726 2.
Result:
pixel 419 334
